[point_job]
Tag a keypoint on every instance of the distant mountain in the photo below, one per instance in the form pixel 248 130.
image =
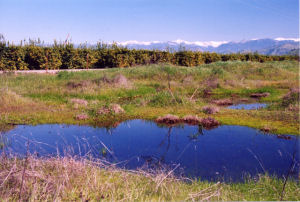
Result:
pixel 278 46
pixel 294 52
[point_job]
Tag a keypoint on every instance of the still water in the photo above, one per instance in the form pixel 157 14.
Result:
pixel 227 153
pixel 248 106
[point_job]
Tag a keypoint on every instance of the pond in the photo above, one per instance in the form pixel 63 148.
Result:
pixel 226 153
pixel 248 106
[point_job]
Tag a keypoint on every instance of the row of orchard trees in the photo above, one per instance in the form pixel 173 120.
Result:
pixel 34 55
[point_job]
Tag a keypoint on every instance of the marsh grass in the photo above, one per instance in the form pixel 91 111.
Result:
pixel 74 179
pixel 156 90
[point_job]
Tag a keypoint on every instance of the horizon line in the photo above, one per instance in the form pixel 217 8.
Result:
pixel 148 43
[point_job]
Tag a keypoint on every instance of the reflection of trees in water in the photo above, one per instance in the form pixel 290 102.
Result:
pixel 6 127
pixel 110 129
pixel 195 136
pixel 167 143
pixel 295 163
pixel 153 161
pixel 158 162
pixel 4 142
pixel 168 138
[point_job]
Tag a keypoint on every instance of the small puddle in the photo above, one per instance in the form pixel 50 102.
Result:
pixel 226 153
pixel 248 106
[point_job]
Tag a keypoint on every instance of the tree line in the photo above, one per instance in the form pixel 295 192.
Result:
pixel 34 55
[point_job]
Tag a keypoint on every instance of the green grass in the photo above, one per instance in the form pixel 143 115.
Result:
pixel 35 99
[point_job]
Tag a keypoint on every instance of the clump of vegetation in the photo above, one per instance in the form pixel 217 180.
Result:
pixel 78 84
pixel 223 102
pixel 266 129
pixel 103 110
pixel 211 83
pixel 209 122
pixel 259 95
pixel 112 108
pixel 291 98
pixel 79 101
pixel 168 119
pixel 116 108
pixel 191 120
pixel 121 80
pixel 7 97
pixel 82 116
pixel 210 109
pixel 164 98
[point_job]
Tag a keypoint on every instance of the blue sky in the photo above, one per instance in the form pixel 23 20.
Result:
pixel 148 20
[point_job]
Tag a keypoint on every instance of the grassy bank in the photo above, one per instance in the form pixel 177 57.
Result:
pixel 151 91
pixel 68 179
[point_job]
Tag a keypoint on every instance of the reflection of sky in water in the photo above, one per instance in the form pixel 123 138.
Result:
pixel 227 152
pixel 248 106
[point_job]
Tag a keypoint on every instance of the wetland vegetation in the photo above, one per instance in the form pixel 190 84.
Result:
pixel 105 98
pixel 149 100
pixel 147 92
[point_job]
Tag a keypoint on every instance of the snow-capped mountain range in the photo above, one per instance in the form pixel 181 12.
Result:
pixel 277 46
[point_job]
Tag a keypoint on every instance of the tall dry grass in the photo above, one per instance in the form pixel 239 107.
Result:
pixel 71 179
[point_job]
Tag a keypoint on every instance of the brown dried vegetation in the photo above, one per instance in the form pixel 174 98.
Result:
pixel 292 97
pixel 223 102
pixel 259 95
pixel 210 109
pixel 119 81
pixel 191 120
pixel 79 84
pixel 79 101
pixel 68 179
pixel 113 108
pixel 168 119
pixel 81 117
pixel 209 122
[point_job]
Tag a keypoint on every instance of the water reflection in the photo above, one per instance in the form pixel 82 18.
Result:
pixel 224 153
